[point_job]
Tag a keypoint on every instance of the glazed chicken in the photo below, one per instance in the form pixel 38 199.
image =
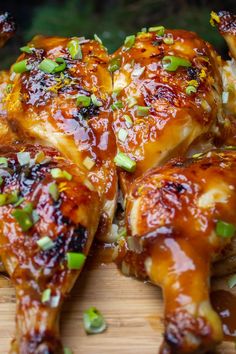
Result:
pixel 180 217
pixel 62 99
pixel 48 218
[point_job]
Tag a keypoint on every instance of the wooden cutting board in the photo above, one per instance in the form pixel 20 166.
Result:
pixel 133 311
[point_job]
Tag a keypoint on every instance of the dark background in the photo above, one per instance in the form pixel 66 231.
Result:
pixel 112 20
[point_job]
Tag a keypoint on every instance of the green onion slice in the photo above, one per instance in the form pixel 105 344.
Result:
pixel 46 295
pixel 190 89
pixel 131 101
pixel 58 173
pixel 115 64
pixel 21 67
pixel 172 63
pixel 83 101
pixel 117 105
pixel 88 163
pixel 122 134
pixel 160 30
pixel 142 111
pixel 3 199
pixel 27 49
pixel 61 66
pixel 232 281
pixel 45 243
pixel 47 65
pixel 1 180
pixel 3 162
pixel 53 191
pixel 168 39
pixel 75 49
pixel 225 229
pixel 95 101
pixel 23 158
pixel 129 41
pixel 125 162
pixel 75 260
pixel 94 321
pixel 23 218
pixel 128 121
pixel 67 351
pixel 97 38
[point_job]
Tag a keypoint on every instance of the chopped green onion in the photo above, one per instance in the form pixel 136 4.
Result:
pixel 75 260
pixel 137 72
pixel 160 30
pixel 75 49
pixel 53 191
pixel 97 38
pixel 1 180
pixel 122 232
pixel 190 89
pixel 129 41
pixel 28 208
pixel 95 101
pixel 230 147
pixel 83 101
pixel 172 63
pixel 12 198
pixel 45 243
pixel 23 158
pixel 142 111
pixel 9 88
pixel 168 40
pixel 19 202
pixel 3 162
pixel 128 121
pixel 94 321
pixel 125 162
pixel 122 134
pixel 47 65
pixel 27 49
pixel 21 67
pixel 225 97
pixel 46 295
pixel 114 64
pixel 88 162
pixel 3 199
pixel 61 66
pixel 232 281
pixel 58 173
pixel 67 351
pixel 23 218
pixel 225 229
pixel 131 101
pixel 144 29
pixel 117 105
pixel 35 216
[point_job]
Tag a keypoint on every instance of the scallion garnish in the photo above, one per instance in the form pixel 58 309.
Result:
pixel 23 158
pixel 142 111
pixel 75 49
pixel 122 134
pixel 13 198
pixel 23 218
pixel 83 101
pixel 114 64
pixel 75 260
pixel 3 162
pixel 58 173
pixel 225 97
pixel 232 281
pixel 53 191
pixel 138 72
pixel 172 63
pixel 3 199
pixel 131 101
pixel 47 65
pixel 93 321
pixel 129 41
pixel 122 233
pixel 88 163
pixel 26 49
pixel 168 39
pixel 67 351
pixel 1 180
pixel 97 38
pixel 21 67
pixel 117 105
pixel 125 162
pixel 46 295
pixel 225 229
pixel 160 30
pixel 19 202
pixel 190 89
pixel 128 121
pixel 45 243
pixel 95 101
pixel 61 65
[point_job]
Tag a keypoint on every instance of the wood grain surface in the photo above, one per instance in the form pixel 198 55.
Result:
pixel 133 311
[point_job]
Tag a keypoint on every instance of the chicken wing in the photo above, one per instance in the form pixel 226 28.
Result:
pixel 167 92
pixel 7 27
pixel 180 217
pixel 48 218
pixel 61 98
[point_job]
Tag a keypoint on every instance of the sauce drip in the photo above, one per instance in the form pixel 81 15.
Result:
pixel 224 304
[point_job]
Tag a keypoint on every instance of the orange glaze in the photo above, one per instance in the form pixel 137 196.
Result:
pixel 171 216
pixel 175 118
pixel 225 304
pixel 70 222
pixel 44 107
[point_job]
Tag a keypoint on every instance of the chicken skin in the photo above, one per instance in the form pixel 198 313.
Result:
pixel 179 218
pixel 7 27
pixel 62 99
pixel 48 218
pixel 167 93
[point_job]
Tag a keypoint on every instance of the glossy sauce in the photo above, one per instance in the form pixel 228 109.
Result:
pixel 224 303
